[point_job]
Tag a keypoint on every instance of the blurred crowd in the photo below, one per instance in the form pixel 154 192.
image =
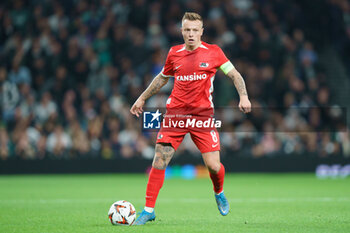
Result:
pixel 71 69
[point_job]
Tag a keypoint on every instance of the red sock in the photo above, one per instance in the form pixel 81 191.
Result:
pixel 155 183
pixel 218 179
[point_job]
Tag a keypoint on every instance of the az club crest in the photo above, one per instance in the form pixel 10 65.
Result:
pixel 203 64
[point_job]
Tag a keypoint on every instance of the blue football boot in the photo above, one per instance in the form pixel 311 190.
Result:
pixel 222 202
pixel 145 217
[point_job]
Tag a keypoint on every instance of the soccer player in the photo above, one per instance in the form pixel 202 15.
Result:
pixel 193 66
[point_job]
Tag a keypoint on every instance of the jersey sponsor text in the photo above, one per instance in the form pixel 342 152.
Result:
pixel 191 77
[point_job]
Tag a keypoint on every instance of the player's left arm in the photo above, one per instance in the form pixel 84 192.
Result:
pixel 238 81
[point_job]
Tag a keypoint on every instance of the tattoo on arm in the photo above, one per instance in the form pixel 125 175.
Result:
pixel 157 83
pixel 238 81
pixel 163 155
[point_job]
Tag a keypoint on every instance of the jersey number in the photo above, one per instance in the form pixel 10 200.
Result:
pixel 213 136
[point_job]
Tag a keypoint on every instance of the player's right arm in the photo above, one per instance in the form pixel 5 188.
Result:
pixel 158 82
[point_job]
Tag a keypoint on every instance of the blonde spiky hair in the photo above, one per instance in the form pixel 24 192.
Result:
pixel 192 16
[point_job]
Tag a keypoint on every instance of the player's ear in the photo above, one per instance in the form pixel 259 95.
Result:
pixel 202 29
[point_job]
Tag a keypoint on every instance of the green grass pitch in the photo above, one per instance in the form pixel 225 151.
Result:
pixel 259 203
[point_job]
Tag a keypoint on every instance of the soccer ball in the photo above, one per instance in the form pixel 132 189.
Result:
pixel 122 213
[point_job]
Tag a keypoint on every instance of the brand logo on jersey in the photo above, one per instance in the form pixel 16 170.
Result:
pixel 177 67
pixel 191 77
pixel 151 120
pixel 203 64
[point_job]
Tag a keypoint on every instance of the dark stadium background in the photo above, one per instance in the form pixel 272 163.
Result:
pixel 70 70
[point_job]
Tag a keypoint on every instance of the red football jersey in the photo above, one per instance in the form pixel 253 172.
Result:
pixel 194 73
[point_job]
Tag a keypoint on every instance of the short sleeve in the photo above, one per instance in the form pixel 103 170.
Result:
pixel 168 70
pixel 221 58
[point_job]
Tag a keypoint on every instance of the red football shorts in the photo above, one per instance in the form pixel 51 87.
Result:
pixel 206 141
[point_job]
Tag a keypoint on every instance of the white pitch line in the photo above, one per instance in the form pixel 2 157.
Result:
pixel 183 200
pixel 263 200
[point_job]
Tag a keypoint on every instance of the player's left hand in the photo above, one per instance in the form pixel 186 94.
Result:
pixel 244 104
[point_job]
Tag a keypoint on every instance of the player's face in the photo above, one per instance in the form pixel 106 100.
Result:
pixel 192 30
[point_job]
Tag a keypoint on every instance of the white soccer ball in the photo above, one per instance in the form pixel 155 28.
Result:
pixel 122 213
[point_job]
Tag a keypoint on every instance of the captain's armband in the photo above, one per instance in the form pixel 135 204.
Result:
pixel 226 67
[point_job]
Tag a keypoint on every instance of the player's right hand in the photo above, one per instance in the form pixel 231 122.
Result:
pixel 136 109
